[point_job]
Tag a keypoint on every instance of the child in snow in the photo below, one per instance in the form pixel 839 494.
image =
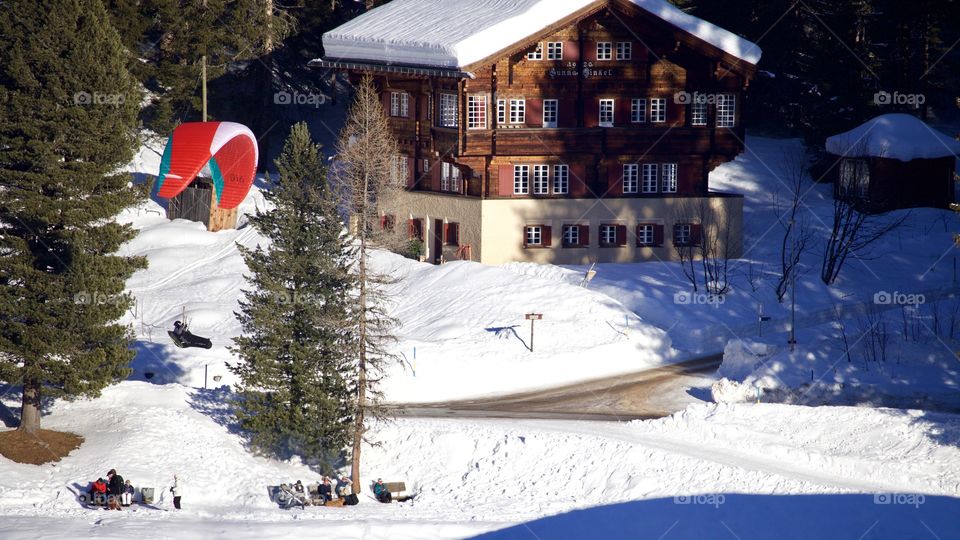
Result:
pixel 127 498
pixel 98 492
pixel 177 491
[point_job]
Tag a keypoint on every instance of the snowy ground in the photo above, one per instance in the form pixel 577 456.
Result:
pixel 738 470
pixel 476 476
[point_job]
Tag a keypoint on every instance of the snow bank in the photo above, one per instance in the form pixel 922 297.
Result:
pixel 457 33
pixel 895 136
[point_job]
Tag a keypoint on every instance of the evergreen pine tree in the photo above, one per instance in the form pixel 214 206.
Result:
pixel 294 390
pixel 68 111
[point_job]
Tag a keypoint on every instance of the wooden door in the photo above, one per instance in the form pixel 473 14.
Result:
pixel 437 240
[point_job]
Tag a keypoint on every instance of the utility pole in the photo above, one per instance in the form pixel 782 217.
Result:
pixel 203 76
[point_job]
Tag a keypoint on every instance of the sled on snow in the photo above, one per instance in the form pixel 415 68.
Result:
pixel 183 338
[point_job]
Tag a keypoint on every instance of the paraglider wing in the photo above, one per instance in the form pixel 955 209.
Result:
pixel 230 150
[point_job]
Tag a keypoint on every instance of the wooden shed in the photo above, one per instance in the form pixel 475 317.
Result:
pixel 197 203
pixel 894 161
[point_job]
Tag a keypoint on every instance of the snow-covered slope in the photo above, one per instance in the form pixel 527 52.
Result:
pixel 457 33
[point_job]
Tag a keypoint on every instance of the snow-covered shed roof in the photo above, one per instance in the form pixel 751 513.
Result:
pixel 894 136
pixel 457 33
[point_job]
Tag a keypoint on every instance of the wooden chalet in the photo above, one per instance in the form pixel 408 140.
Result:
pixel 562 131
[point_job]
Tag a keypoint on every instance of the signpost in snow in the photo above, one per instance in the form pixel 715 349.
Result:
pixel 533 317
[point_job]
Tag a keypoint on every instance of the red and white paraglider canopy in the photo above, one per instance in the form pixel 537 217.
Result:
pixel 229 148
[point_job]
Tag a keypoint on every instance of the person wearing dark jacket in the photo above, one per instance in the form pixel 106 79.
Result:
pixel 381 492
pixel 115 488
pixel 325 490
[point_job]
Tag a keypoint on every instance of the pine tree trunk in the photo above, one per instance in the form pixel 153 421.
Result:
pixel 362 360
pixel 30 409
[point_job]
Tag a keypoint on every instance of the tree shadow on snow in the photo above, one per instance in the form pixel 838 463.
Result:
pixel 696 517
pixel 504 332
pixel 216 403
pixel 154 365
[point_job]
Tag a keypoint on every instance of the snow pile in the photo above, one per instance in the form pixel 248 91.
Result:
pixel 894 136
pixel 457 33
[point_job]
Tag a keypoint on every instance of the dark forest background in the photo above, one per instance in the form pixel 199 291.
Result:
pixel 824 61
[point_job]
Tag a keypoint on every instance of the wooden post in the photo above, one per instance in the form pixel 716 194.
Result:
pixel 533 317
pixel 203 77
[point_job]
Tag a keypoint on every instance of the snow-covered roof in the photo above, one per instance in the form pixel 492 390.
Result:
pixel 457 33
pixel 895 136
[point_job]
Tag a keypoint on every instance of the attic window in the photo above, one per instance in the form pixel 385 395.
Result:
pixel 537 53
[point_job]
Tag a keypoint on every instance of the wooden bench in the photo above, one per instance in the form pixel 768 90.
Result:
pixel 398 491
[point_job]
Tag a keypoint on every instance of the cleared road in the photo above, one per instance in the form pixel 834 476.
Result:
pixel 653 393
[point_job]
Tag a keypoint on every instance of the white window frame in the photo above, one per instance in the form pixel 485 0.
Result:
pixel 571 235
pixel 400 171
pixel 604 50
pixel 645 235
pixel 400 104
pixel 638 110
pixel 551 113
pixel 561 179
pixel 668 176
pixel 608 234
pixel 536 53
pixel 521 179
pixel 450 177
pixel 698 113
pixel 534 235
pixel 631 178
pixel 476 111
pixel 448 110
pixel 554 50
pixel 501 112
pixel 726 110
pixel 518 111
pixel 658 110
pixel 610 114
pixel 541 179
pixel 624 50
pixel 650 178
pixel 682 234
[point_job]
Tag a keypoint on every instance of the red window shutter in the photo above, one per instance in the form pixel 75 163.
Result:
pixel 451 233
pixel 411 173
pixel 386 102
pixel 567 113
pixel 571 51
pixel 547 237
pixel 415 229
pixel 591 113
pixel 590 51
pixel 621 235
pixel 505 181
pixel 584 235
pixel 435 173
pixel 614 179
pixel 578 181
pixel 424 105
pixel 534 113
pixel 658 235
pixel 621 112
pixel 383 222
pixel 695 234
pixel 523 235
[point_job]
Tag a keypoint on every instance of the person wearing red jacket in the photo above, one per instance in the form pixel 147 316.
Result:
pixel 98 491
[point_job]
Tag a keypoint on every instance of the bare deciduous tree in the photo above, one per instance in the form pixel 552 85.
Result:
pixel 367 182
pixel 796 234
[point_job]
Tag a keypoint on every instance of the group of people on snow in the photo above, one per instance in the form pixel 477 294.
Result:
pixel 115 492
pixel 327 492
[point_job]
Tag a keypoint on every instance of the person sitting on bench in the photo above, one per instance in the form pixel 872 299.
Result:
pixel 381 492
pixel 325 490
pixel 98 492
pixel 345 490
